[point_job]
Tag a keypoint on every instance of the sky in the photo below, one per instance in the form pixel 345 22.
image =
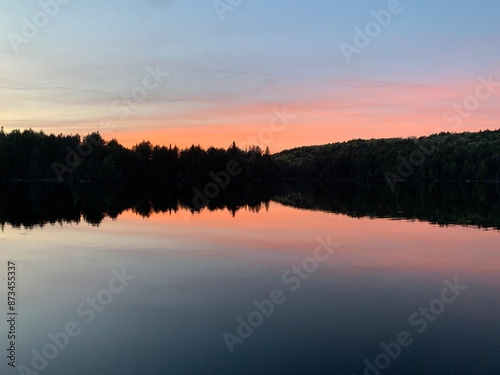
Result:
pixel 281 74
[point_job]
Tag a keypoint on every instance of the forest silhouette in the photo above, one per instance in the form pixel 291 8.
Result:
pixel 30 155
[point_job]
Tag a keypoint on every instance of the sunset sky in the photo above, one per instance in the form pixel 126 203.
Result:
pixel 232 69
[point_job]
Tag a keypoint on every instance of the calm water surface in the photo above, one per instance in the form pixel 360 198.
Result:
pixel 193 278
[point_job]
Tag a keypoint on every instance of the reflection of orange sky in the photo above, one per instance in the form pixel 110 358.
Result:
pixel 365 243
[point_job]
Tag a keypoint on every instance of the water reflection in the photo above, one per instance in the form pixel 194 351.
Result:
pixel 31 204
pixel 194 278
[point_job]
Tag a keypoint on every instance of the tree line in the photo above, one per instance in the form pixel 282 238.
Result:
pixel 30 155
pixel 444 157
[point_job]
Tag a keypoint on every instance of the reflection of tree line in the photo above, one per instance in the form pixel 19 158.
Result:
pixel 30 204
pixel 460 204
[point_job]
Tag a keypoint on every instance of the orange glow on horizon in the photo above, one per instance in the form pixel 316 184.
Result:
pixel 355 109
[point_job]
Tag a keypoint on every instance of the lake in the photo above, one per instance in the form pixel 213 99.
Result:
pixel 270 278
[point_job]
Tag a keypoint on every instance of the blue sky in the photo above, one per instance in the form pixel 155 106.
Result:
pixel 226 77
